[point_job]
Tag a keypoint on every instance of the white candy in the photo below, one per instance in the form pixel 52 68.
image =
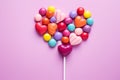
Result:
pixel 60 16
pixel 74 39
pixel 78 31
pixel 38 17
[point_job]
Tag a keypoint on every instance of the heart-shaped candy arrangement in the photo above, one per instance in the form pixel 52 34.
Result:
pixel 71 30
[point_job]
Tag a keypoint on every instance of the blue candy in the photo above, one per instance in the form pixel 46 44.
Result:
pixel 71 27
pixel 52 43
pixel 90 21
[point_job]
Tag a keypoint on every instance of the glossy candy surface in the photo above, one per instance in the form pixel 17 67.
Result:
pixel 42 11
pixel 52 43
pixel 46 37
pixel 67 31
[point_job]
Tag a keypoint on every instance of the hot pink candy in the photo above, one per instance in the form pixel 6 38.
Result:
pixel 66 33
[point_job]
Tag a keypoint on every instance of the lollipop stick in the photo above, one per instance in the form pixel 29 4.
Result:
pixel 64 68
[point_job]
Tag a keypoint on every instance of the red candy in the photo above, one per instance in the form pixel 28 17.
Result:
pixel 41 29
pixel 84 36
pixel 80 11
pixel 61 26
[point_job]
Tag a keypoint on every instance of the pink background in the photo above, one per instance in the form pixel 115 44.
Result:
pixel 25 56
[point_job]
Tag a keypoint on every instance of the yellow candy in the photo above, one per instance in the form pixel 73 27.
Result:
pixel 87 14
pixel 46 37
pixel 51 8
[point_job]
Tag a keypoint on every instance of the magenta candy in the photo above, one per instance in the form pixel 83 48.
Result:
pixel 42 11
pixel 65 50
pixel 68 20
pixel 66 33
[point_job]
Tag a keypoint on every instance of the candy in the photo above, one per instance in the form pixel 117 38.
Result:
pixel 51 8
pixel 80 11
pixel 61 26
pixel 68 20
pixel 84 36
pixel 71 27
pixel 66 33
pixel 87 28
pixel 60 16
pixel 65 50
pixel 52 43
pixel 52 27
pixel 58 36
pixel 87 14
pixel 49 14
pixel 79 21
pixel 45 21
pixel 78 31
pixel 41 29
pixel 53 19
pixel 38 17
pixel 75 40
pixel 69 30
pixel 90 21
pixel 73 14
pixel 46 37
pixel 65 40
pixel 42 11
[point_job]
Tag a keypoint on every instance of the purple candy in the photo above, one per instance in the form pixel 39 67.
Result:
pixel 68 20
pixel 53 19
pixel 73 14
pixel 58 36
pixel 87 28
pixel 42 11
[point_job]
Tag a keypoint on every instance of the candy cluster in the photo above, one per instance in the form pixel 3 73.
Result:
pixel 71 30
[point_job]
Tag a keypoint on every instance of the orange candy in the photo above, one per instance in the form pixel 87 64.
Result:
pixel 49 14
pixel 52 27
pixel 65 40
pixel 79 22
pixel 45 21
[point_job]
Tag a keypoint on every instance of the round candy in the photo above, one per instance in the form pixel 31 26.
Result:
pixel 58 36
pixel 80 11
pixel 66 33
pixel 84 36
pixel 73 14
pixel 90 21
pixel 42 11
pixel 49 14
pixel 61 26
pixel 46 37
pixel 65 40
pixel 87 28
pixel 45 21
pixel 38 17
pixel 78 31
pixel 87 14
pixel 52 43
pixel 53 19
pixel 51 8
pixel 68 20
pixel 71 27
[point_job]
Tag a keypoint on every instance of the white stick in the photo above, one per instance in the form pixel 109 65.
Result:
pixel 64 68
